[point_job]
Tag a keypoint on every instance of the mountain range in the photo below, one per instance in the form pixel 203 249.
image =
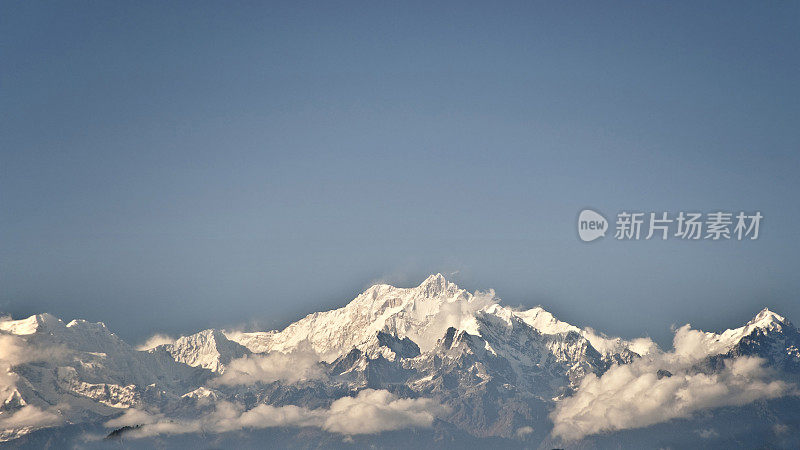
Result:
pixel 433 365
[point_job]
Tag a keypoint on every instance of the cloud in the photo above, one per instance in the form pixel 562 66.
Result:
pixel 154 341
pixel 15 350
pixel 458 314
pixel 369 412
pixel 12 353
pixel 636 395
pixel 298 365
pixel 374 411
pixel 606 345
pixel 29 416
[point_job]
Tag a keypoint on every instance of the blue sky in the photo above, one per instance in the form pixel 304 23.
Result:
pixel 169 167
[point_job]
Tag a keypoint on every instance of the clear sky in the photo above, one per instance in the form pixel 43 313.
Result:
pixel 170 166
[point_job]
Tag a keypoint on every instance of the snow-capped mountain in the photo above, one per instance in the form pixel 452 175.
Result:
pixel 418 313
pixel 769 336
pixel 209 349
pixel 421 313
pixel 478 366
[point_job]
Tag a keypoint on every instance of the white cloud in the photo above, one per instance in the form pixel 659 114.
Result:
pixel 29 416
pixel 371 411
pixel 154 341
pixel 12 352
pixel 374 411
pixel 15 350
pixel 633 395
pixel 458 314
pixel 298 365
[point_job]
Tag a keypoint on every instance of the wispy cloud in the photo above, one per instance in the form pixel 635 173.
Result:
pixel 29 416
pixel 298 365
pixel 459 314
pixel 154 341
pixel 15 350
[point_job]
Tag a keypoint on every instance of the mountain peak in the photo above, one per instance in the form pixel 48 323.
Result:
pixel 767 319
pixel 436 278
pixel 436 284
pixel 32 324
pixel 209 349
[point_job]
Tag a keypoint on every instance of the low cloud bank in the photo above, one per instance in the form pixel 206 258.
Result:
pixel 663 386
pixel 298 365
pixel 29 416
pixel 369 412
pixel 374 411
